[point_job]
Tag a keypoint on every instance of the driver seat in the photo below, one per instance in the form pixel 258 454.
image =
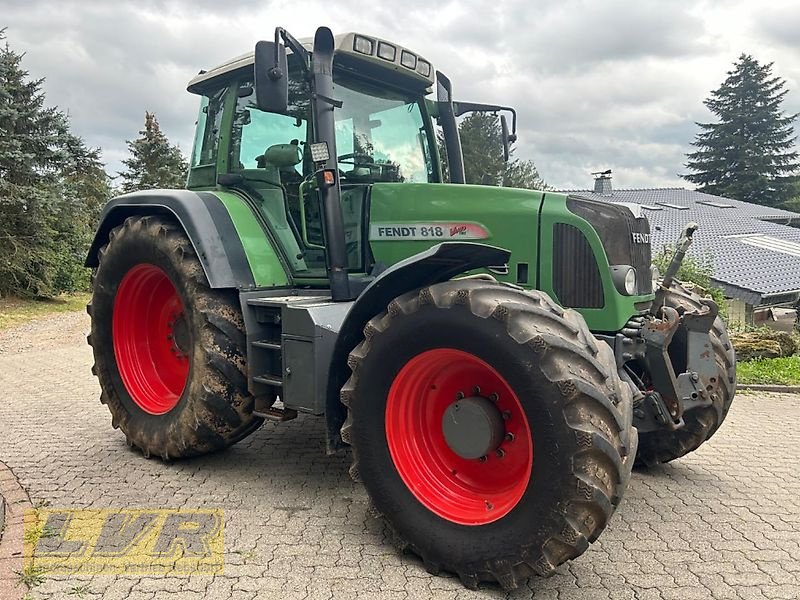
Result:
pixel 278 160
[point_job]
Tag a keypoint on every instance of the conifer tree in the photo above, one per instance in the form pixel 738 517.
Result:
pixel 482 148
pixel 747 154
pixel 44 221
pixel 154 162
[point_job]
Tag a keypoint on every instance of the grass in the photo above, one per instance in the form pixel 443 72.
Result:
pixel 775 371
pixel 16 311
pixel 31 576
pixel 79 590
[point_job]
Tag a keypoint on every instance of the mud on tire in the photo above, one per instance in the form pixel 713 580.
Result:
pixel 215 409
pixel 578 411
pixel 701 423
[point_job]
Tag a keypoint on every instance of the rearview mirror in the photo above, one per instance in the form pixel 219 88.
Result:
pixel 271 77
pixel 506 138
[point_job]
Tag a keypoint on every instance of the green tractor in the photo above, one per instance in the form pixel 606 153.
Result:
pixel 496 359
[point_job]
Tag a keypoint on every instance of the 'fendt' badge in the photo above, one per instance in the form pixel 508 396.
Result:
pixel 640 238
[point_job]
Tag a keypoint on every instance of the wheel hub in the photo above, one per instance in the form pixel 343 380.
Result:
pixel 473 427
pixel 179 335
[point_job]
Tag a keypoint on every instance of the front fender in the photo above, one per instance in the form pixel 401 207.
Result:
pixel 439 263
pixel 203 217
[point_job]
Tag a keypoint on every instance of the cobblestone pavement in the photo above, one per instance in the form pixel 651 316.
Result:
pixel 721 523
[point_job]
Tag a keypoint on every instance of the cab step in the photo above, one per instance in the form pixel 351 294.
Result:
pixel 266 410
pixel 269 380
pixel 278 415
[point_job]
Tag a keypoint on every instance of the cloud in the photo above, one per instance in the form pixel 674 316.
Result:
pixel 615 84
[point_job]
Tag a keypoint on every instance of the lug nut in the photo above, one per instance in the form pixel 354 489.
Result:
pixel 493 397
pixel 483 458
pixel 500 453
pixel 509 437
pixel 506 415
pixel 459 395
pixel 476 390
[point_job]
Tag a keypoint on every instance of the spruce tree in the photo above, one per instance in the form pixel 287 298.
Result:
pixel 44 221
pixel 154 162
pixel 747 154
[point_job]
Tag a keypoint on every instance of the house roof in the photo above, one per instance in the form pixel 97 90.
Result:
pixel 754 251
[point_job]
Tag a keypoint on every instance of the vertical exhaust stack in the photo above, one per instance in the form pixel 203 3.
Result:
pixel 602 183
pixel 323 106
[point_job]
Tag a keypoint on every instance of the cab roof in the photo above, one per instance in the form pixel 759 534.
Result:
pixel 367 48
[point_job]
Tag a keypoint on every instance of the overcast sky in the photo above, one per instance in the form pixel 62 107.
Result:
pixel 614 84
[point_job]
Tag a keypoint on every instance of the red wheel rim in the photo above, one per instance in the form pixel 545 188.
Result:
pixel 151 340
pixel 464 491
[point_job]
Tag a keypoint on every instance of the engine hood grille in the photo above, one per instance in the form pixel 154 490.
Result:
pixel 625 236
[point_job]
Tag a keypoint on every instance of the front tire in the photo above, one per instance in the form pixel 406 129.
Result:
pixel 567 440
pixel 169 351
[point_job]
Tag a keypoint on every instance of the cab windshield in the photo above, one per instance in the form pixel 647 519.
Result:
pixel 380 135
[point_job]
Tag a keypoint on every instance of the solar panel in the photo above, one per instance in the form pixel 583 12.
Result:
pixel 715 204
pixel 675 206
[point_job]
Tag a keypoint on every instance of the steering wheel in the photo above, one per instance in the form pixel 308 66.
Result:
pixel 379 171
pixel 356 158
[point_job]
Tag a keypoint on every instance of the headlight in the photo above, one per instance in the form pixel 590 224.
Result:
pixel 630 282
pixel 624 278
pixel 655 274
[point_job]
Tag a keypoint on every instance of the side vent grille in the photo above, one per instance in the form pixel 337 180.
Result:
pixel 576 277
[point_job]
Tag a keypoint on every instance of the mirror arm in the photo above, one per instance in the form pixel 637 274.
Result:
pixel 461 108
pixel 295 46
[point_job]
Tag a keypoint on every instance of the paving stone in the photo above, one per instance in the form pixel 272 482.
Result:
pixel 721 523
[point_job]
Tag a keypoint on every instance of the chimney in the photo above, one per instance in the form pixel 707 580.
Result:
pixel 602 183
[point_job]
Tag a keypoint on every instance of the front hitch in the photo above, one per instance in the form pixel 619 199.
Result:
pixel 675 393
pixel 669 394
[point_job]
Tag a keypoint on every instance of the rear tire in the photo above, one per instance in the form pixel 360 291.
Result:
pixel 170 352
pixel 568 397
pixel 701 423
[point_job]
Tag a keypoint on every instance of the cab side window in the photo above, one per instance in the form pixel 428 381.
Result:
pixel 206 142
pixel 254 131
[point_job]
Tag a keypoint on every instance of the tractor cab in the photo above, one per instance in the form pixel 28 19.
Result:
pixel 256 133
pixel 383 133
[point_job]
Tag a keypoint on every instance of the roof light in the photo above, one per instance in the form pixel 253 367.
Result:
pixel 387 51
pixel 408 60
pixel 363 45
pixel 424 68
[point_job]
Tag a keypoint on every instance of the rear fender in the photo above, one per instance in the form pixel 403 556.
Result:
pixel 203 217
pixel 439 263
